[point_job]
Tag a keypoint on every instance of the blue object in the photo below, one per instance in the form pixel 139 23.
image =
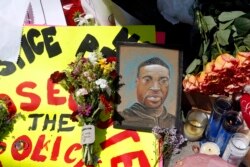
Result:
pixel 231 123
pixel 221 105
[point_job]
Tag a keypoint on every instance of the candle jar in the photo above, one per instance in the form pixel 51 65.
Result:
pixel 195 124
pixel 230 125
pixel 220 106
pixel 210 148
pixel 236 149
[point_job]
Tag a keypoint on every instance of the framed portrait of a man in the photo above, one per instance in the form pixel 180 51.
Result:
pixel 152 87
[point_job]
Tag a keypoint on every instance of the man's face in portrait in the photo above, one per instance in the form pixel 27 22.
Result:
pixel 152 85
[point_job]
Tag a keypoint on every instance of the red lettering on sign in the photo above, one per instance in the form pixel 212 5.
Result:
pixel 35 99
pixel 51 91
pixel 2 147
pixel 72 148
pixel 36 156
pixel 56 148
pixel 127 158
pixel 25 152
pixel 79 163
pixel 119 137
pixel 72 103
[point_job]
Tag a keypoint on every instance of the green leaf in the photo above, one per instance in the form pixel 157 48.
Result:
pixel 210 22
pixel 235 34
pixel 223 36
pixel 204 59
pixel 242 25
pixel 246 40
pixel 223 26
pixel 226 16
pixel 243 48
pixel 193 65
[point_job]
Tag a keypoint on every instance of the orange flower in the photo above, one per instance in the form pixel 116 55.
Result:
pixel 244 58
pixel 190 83
pixel 209 69
pixel 202 77
pixel 225 61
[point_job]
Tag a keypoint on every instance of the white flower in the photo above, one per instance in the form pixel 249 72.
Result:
pixel 102 83
pixel 86 73
pixel 93 58
pixel 89 17
pixel 81 92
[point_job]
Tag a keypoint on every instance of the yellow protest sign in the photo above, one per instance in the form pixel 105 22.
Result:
pixel 48 135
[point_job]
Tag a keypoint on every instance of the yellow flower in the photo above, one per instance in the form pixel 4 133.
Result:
pixel 102 62
pixel 106 67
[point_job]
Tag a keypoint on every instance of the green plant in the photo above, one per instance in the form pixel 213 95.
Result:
pixel 221 32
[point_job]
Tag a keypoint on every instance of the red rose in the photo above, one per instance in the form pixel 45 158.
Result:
pixel 9 104
pixel 111 59
pixel 57 76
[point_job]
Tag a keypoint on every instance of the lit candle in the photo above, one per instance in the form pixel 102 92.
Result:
pixel 236 149
pixel 193 130
pixel 195 124
pixel 210 148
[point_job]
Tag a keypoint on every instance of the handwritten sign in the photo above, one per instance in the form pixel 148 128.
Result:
pixel 50 137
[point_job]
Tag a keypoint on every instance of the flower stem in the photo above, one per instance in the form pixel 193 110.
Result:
pixel 88 154
pixel 236 48
pixel 218 45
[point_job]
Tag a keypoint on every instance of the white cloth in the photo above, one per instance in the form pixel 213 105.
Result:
pixel 12 14
pixel 100 9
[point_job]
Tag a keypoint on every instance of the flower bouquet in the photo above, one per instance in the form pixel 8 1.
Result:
pixel 8 117
pixel 222 66
pixel 94 83
pixel 223 63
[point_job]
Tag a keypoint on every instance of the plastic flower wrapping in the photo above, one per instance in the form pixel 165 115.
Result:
pixel 222 65
pixel 93 82
pixel 8 116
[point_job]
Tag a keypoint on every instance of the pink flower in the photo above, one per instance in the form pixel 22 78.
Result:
pixel 81 92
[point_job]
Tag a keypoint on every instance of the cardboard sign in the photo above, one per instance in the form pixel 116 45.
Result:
pixel 49 136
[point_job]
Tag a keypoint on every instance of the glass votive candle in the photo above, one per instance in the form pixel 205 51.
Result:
pixel 195 124
pixel 210 148
pixel 232 122
pixel 221 105
pixel 236 149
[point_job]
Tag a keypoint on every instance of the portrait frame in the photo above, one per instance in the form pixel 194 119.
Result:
pixel 130 55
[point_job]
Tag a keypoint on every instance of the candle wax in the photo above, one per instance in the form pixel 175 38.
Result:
pixel 193 130
pixel 210 148
pixel 239 144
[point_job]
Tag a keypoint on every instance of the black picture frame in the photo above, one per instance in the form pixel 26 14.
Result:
pixel 130 55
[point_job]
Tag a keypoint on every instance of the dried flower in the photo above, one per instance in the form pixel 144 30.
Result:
pixel 170 141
